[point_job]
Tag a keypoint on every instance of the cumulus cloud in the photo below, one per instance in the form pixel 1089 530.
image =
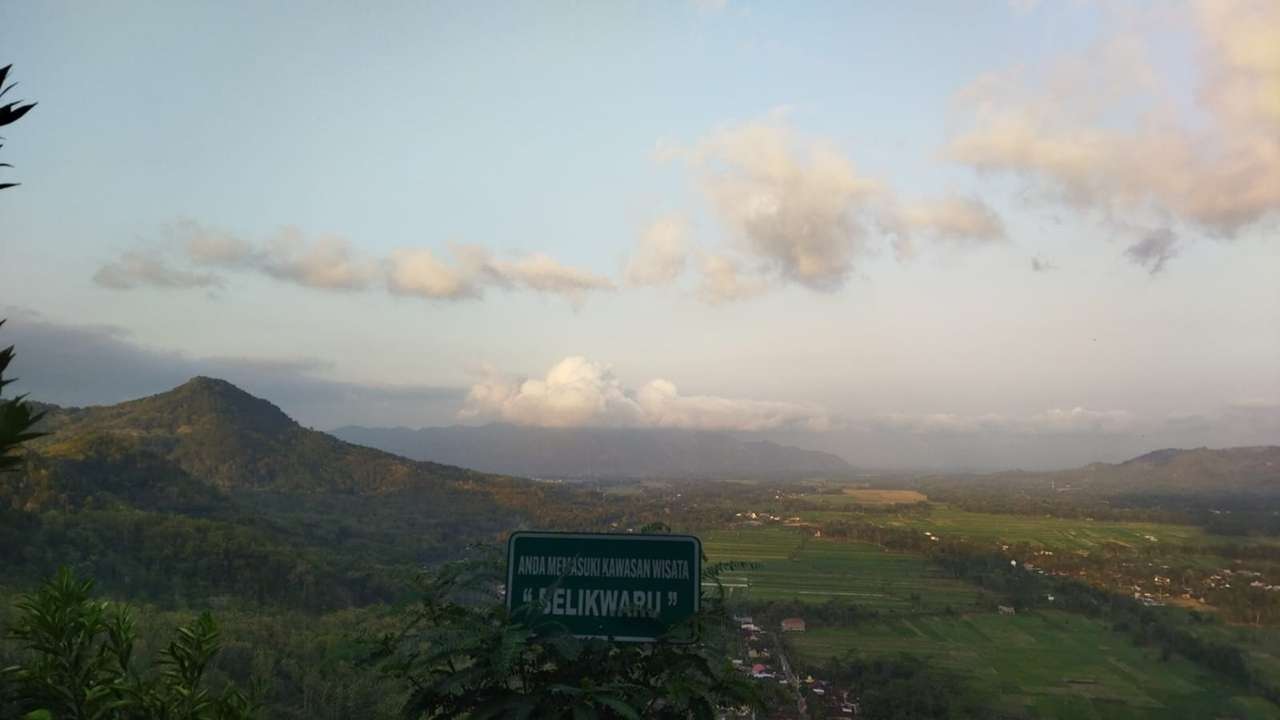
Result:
pixel 543 274
pixel 1104 131
pixel 330 262
pixel 578 392
pixel 137 268
pixel 797 211
pixel 796 205
pixel 724 280
pixel 959 219
pixel 1154 250
pixel 206 245
pixel 661 254
pixel 419 272
pixel 327 262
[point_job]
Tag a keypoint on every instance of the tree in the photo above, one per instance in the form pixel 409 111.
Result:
pixel 16 418
pixel 462 655
pixel 80 663
pixel 10 112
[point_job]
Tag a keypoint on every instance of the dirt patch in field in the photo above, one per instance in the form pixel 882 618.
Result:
pixel 884 497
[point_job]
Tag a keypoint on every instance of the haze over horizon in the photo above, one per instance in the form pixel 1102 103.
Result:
pixel 1051 239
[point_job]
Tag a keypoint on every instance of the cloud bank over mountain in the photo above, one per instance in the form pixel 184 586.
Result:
pixel 95 364
pixel 577 392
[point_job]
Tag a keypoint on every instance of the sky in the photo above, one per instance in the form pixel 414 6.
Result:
pixel 919 235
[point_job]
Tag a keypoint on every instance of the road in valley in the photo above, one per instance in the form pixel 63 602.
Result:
pixel 792 679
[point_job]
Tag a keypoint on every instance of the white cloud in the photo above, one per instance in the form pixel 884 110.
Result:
pixel 418 272
pixel 796 210
pixel 138 268
pixel 661 254
pixel 723 280
pixel 1104 131
pixel 958 219
pixel 541 273
pixel 213 246
pixel 329 262
pixel 577 392
pixel 795 205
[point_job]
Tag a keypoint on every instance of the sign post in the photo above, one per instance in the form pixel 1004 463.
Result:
pixel 627 588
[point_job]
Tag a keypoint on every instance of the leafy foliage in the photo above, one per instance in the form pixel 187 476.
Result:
pixel 80 663
pixel 906 687
pixel 16 417
pixel 10 112
pixel 464 656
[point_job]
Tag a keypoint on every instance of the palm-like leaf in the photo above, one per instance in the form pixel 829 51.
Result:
pixel 10 112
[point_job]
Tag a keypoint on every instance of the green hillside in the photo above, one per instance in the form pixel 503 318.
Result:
pixel 233 440
pixel 206 490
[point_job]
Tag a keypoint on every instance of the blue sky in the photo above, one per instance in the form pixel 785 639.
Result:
pixel 564 131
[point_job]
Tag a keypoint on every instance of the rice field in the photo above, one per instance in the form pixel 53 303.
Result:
pixel 867 496
pixel 1044 665
pixel 791 565
pixel 1054 533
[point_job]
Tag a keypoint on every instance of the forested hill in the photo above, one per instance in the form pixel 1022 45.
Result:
pixel 1198 471
pixel 1238 469
pixel 232 440
pixel 207 491
pixel 597 452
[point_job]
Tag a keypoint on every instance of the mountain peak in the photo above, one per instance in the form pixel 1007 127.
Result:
pixel 209 384
pixel 1162 456
pixel 204 397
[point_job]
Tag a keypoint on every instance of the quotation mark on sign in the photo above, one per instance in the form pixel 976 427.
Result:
pixel 528 595
pixel 672 598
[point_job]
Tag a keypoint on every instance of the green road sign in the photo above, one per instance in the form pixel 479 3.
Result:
pixel 631 588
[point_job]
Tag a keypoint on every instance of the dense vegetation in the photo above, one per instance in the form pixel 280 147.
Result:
pixel 906 686
pixel 77 661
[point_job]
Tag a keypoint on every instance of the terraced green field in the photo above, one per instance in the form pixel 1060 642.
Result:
pixel 868 497
pixel 795 566
pixel 1050 532
pixel 1045 665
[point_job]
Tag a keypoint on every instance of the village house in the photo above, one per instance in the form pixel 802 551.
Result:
pixel 793 625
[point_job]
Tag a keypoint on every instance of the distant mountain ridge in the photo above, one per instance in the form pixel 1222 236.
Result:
pixel 595 452
pixel 1243 471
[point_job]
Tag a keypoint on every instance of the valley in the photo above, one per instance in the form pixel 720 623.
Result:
pixel 307 548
